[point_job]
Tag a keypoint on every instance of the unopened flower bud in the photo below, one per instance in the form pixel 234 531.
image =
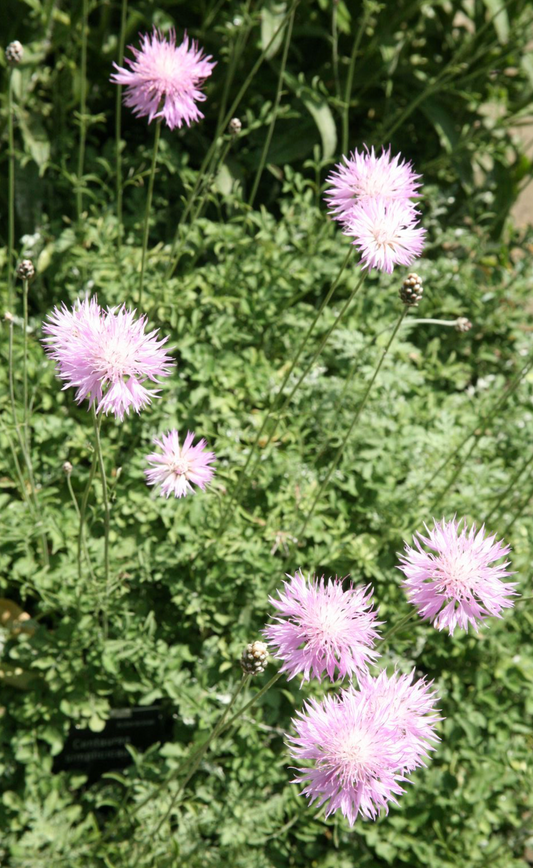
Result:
pixel 14 52
pixel 235 126
pixel 254 658
pixel 411 290
pixel 67 468
pixel 8 316
pixel 26 270
pixel 462 324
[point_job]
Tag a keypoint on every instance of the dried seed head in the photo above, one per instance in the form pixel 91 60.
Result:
pixel 26 270
pixel 67 468
pixel 235 126
pixel 462 324
pixel 411 290
pixel 254 658
pixel 14 52
pixel 8 316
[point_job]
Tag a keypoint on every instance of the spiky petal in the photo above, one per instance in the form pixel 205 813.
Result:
pixel 362 743
pixel 457 582
pixel 176 467
pixel 385 233
pixel 106 355
pixel 164 79
pixel 320 627
pixel 364 176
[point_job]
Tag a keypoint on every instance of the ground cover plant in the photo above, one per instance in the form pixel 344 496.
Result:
pixel 164 273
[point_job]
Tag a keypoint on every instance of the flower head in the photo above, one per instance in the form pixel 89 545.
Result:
pixel 362 743
pixel 456 582
pixel 106 355
pixel 320 628
pixel 365 176
pixel 164 79
pixel 385 233
pixel 176 466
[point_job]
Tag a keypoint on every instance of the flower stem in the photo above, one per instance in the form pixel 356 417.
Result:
pixel 83 106
pixel 501 497
pixel 395 629
pixel 477 432
pixel 349 80
pixel 118 123
pixel 275 108
pixel 83 512
pixel 277 400
pixel 100 457
pixel 22 445
pixel 236 54
pixel 84 544
pixel 25 366
pixel 11 192
pixel 353 423
pixel 523 504
pixel 148 207
pixel 222 126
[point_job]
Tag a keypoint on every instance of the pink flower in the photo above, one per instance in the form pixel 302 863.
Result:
pixel 385 233
pixel 454 583
pixel 106 356
pixel 362 743
pixel 164 80
pixel 176 467
pixel 364 176
pixel 321 628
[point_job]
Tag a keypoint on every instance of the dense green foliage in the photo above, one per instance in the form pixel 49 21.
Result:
pixel 185 597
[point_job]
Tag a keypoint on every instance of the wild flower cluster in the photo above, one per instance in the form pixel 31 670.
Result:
pixel 356 747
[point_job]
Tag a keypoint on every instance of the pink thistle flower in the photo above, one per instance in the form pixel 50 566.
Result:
pixel 176 466
pixel 106 356
pixel 454 583
pixel 362 743
pixel 385 233
pixel 321 628
pixel 164 79
pixel 364 176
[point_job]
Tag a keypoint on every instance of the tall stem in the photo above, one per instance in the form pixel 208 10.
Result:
pixel 25 366
pixel 101 465
pixel 357 416
pixel 148 207
pixel 505 492
pixel 270 133
pixel 11 192
pixel 222 126
pixel 85 550
pixel 277 400
pixel 349 81
pixel 22 445
pixel 519 511
pixel 82 544
pixel 118 123
pixel 83 106
pixel 476 432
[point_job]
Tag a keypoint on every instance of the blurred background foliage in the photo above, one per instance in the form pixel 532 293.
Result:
pixel 448 84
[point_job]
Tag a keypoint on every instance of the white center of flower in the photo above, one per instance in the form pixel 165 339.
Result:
pixel 180 465
pixel 115 359
pixel 327 624
pixel 457 575
pixel 353 755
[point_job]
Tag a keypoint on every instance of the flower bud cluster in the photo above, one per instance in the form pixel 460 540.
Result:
pixel 254 658
pixel 411 291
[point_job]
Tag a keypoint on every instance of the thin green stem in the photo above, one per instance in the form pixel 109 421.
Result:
pixel 25 366
pixel 149 195
pixel 236 53
pixel 101 465
pixel 83 512
pixel 275 109
pixel 11 192
pixel 83 106
pixel 16 462
pixel 349 80
pixel 335 49
pixel 356 417
pixel 277 400
pixel 85 550
pixel 503 495
pixel 22 445
pixel 396 628
pixel 118 123
pixel 201 752
pixel 523 505
pixel 222 126
pixel 476 432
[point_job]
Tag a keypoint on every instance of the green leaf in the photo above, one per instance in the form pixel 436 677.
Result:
pixel 320 111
